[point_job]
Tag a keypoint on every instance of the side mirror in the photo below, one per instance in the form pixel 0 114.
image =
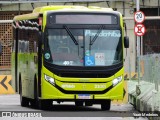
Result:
pixel 126 42
pixel 0 49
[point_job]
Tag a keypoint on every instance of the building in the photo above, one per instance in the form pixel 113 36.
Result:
pixel 150 42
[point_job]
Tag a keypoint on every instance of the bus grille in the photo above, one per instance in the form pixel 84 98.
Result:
pixel 84 75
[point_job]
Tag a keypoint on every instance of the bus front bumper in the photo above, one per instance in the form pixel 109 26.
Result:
pixel 51 92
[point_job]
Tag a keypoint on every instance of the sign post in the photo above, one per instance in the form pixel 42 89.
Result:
pixel 139 30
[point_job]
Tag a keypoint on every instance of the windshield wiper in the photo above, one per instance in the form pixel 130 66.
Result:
pixel 71 35
pixel 96 36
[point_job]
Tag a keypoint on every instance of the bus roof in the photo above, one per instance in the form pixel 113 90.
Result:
pixel 77 8
pixel 39 10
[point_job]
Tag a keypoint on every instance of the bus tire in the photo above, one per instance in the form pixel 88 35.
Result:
pixel 24 101
pixel 79 103
pixel 45 104
pixel 105 105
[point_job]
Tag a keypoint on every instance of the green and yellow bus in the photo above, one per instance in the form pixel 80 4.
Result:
pixel 69 53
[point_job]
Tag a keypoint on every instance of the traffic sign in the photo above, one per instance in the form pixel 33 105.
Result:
pixel 139 17
pixel 89 61
pixel 139 29
pixel 5 84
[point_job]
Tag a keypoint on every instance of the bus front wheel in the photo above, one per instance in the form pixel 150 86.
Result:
pixel 105 105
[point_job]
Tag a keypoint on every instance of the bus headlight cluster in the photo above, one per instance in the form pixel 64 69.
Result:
pixel 117 80
pixel 49 79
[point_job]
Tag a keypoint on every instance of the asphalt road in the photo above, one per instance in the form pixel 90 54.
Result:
pixel 65 111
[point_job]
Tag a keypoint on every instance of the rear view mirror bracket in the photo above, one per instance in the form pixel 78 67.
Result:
pixel 126 42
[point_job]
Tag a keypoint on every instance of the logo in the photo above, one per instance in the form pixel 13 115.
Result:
pixel 21 114
pixel 6 114
pixel 68 86
pixel 47 55
pixel 84 87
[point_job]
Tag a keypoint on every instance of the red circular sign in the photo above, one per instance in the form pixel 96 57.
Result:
pixel 139 29
pixel 139 17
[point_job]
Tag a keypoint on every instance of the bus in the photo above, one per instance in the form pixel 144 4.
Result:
pixel 68 53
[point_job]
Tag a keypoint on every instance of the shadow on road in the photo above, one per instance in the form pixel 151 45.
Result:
pixel 68 108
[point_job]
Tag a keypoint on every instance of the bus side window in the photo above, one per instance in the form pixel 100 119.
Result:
pixel 27 47
pixel 35 46
pixel 19 46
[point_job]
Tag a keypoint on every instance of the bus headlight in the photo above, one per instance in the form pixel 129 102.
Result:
pixel 49 79
pixel 117 80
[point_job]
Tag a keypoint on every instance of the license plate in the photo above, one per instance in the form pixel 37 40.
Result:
pixel 84 96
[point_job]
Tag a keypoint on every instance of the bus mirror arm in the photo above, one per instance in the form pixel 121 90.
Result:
pixel 41 41
pixel 41 37
pixel 0 48
pixel 42 50
pixel 126 44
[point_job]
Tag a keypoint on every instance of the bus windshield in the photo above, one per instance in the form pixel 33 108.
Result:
pixel 83 47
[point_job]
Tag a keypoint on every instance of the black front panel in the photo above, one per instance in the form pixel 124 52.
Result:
pixel 83 72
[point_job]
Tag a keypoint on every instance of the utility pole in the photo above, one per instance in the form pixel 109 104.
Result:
pixel 138 45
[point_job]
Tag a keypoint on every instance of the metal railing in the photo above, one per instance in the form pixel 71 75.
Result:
pixel 44 1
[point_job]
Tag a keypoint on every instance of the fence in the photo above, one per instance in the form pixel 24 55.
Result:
pixel 6 35
pixel 5 39
pixel 151 64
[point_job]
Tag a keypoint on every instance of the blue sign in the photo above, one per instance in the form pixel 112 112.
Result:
pixel 89 61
